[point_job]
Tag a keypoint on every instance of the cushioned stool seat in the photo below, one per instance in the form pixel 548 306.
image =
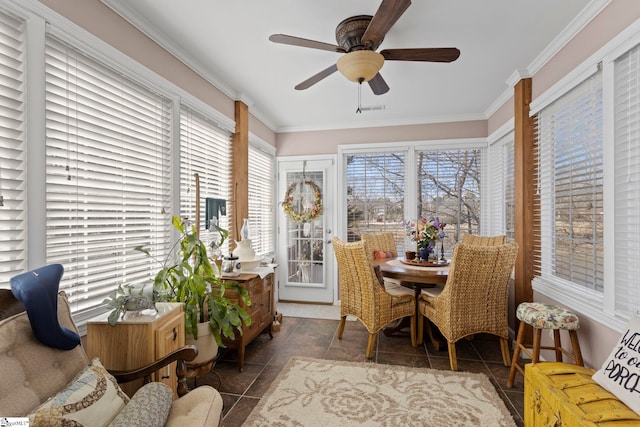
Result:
pixel 544 316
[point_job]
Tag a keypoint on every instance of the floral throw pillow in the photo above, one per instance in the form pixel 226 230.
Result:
pixel 93 399
pixel 620 373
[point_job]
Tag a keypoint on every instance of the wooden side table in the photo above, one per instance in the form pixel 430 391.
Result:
pixel 261 310
pixel 137 341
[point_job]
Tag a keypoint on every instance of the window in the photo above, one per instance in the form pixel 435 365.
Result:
pixel 626 155
pixel 569 132
pixel 449 188
pixel 261 197
pixel 107 186
pixel 375 194
pixel 500 190
pixel 12 151
pixel 445 181
pixel 205 149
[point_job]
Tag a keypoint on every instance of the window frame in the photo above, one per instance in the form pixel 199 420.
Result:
pixel 13 156
pixel 256 182
pixel 90 114
pixel 597 306
pixel 501 143
pixel 409 148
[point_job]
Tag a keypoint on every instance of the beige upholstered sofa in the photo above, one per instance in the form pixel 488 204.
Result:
pixel 31 373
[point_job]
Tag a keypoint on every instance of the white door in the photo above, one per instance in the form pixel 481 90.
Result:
pixel 305 256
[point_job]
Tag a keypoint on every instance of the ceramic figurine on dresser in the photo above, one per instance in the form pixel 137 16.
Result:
pixel 244 251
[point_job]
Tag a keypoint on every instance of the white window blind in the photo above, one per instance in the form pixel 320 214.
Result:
pixel 205 149
pixel 569 133
pixel 627 181
pixel 449 188
pixel 375 194
pixel 501 187
pixel 261 196
pixel 12 148
pixel 107 176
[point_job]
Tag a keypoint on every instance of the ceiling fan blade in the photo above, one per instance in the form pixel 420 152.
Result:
pixel 297 41
pixel 387 15
pixel 317 77
pixel 378 85
pixel 427 54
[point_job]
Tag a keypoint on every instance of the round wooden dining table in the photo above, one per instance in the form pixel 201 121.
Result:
pixel 421 276
pixel 416 277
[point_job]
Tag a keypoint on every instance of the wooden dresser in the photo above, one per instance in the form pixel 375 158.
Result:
pixel 137 341
pixel 261 310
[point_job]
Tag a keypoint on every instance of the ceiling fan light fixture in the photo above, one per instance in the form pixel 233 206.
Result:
pixel 360 65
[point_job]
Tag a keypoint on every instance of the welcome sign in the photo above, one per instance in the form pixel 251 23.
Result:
pixel 620 373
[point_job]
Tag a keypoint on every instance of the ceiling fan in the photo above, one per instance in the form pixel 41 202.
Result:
pixel 358 38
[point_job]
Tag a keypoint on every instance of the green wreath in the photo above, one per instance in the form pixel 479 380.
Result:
pixel 300 216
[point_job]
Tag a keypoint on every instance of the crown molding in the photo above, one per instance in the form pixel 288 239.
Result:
pixel 379 123
pixel 570 31
pixel 144 26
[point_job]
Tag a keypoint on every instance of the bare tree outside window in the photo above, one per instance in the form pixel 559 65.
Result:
pixel 448 186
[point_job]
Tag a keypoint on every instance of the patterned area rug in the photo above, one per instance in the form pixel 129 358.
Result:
pixel 313 392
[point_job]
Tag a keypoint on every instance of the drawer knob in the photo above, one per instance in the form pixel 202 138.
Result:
pixel 175 334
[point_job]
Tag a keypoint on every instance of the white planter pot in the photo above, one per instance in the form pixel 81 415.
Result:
pixel 206 343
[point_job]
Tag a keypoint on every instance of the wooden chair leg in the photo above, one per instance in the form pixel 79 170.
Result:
pixel 343 320
pixel 413 330
pixel 420 337
pixel 537 338
pixel 504 347
pixel 430 334
pixel 575 344
pixel 453 361
pixel 516 355
pixel 370 344
pixel 557 343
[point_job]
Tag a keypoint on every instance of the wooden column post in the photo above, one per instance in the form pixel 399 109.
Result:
pixel 525 184
pixel 240 170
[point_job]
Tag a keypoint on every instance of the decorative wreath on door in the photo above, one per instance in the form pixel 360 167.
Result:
pixel 294 205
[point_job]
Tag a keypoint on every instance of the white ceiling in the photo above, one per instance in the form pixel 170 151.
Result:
pixel 226 41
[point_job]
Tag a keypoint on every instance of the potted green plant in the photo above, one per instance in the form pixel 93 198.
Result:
pixel 187 276
pixel 127 298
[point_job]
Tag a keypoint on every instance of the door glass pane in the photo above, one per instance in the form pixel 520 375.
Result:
pixel 305 241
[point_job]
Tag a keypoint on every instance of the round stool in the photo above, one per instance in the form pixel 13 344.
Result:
pixel 544 316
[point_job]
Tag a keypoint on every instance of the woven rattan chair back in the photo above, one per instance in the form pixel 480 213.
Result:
pixel 362 295
pixel 475 297
pixel 379 242
pixel 472 239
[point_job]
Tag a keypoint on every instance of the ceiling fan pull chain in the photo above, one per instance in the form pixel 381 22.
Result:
pixel 359 109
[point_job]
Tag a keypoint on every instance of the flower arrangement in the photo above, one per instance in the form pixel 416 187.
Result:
pixel 313 211
pixel 424 232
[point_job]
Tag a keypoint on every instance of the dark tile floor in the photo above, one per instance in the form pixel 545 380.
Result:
pixel 265 357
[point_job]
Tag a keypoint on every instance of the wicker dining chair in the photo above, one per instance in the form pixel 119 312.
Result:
pixel 475 298
pixel 363 296
pixel 472 239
